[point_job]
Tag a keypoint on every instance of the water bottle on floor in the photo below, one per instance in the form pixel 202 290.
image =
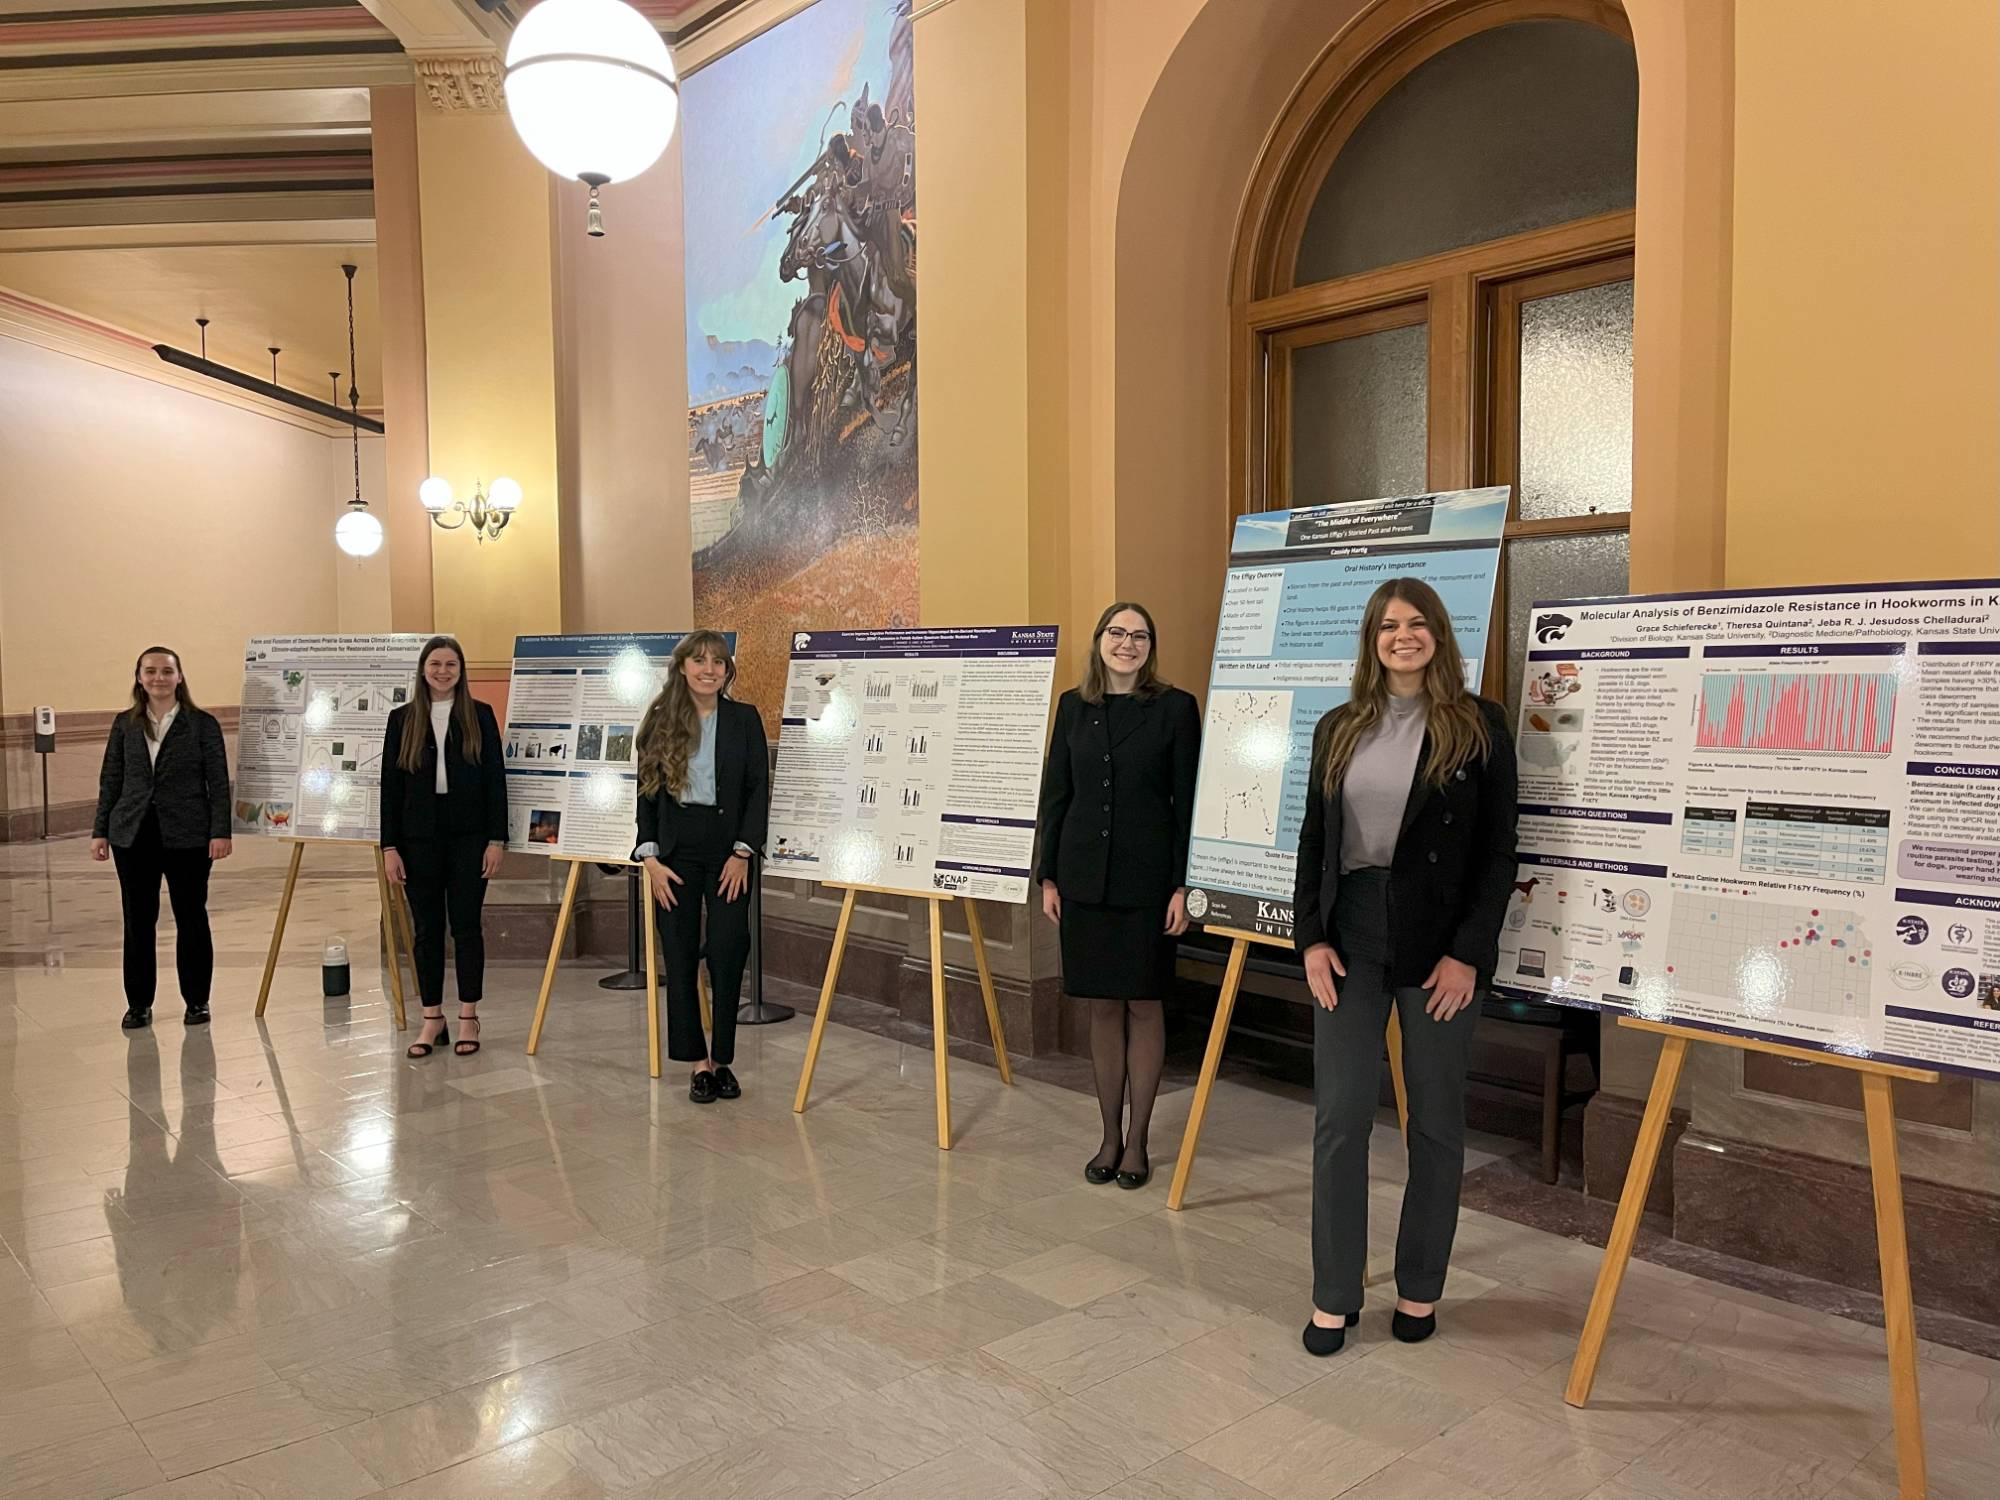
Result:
pixel 333 968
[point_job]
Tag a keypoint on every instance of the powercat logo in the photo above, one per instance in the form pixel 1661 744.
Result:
pixel 1551 628
pixel 945 880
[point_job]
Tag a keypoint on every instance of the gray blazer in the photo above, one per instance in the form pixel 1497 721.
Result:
pixel 188 787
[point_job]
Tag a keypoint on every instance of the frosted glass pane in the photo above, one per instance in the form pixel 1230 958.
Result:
pixel 1576 402
pixel 1512 129
pixel 1556 567
pixel 1359 424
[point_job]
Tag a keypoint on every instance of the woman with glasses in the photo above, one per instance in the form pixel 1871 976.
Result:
pixel 1117 806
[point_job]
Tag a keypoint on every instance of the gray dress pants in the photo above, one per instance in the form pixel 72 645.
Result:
pixel 1347 1062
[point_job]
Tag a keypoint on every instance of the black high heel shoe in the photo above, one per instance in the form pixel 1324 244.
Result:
pixel 425 1049
pixel 467 1045
pixel 1326 1341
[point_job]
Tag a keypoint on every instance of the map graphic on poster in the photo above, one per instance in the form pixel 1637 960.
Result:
pixel 309 746
pixel 571 742
pixel 1770 813
pixel 1284 654
pixel 912 759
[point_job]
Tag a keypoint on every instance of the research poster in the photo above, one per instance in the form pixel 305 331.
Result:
pixel 1775 814
pixel 912 759
pixel 571 741
pixel 309 744
pixel 1292 602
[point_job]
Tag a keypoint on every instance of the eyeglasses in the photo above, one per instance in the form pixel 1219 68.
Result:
pixel 1117 634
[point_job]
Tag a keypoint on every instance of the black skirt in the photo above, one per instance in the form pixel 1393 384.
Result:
pixel 1116 952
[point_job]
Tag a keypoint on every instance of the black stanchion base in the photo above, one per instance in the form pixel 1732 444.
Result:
pixel 763 1013
pixel 628 980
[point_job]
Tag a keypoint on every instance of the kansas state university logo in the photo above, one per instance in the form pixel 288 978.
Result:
pixel 1551 628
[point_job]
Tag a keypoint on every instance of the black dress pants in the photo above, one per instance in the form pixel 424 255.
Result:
pixel 1347 1081
pixel 186 870
pixel 444 883
pixel 702 846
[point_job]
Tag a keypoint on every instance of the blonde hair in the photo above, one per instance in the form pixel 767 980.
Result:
pixel 671 728
pixel 1456 724
pixel 417 719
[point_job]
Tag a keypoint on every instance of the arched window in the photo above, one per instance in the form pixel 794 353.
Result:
pixel 1433 284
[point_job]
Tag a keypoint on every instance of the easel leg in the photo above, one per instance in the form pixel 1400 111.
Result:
pixel 405 924
pixel 1893 1247
pixel 1218 1033
pixel 1396 1074
pixel 555 952
pixel 1625 1228
pixel 653 985
pixel 701 994
pixel 389 932
pixel 978 935
pixel 825 1002
pixel 278 932
pixel 940 1037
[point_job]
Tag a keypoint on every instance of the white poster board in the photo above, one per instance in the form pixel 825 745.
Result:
pixel 309 745
pixel 571 743
pixel 912 759
pixel 1772 813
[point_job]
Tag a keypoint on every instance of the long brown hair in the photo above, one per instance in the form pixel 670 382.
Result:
pixel 671 728
pixel 1456 725
pixel 139 713
pixel 1097 679
pixel 417 716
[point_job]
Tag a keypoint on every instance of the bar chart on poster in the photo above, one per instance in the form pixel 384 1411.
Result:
pixel 1770 813
pixel 911 760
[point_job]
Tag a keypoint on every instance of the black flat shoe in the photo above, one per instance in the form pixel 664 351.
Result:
pixel 197 1015
pixel 726 1086
pixel 1097 1176
pixel 1413 1330
pixel 136 1019
pixel 1326 1341
pixel 1133 1180
pixel 701 1088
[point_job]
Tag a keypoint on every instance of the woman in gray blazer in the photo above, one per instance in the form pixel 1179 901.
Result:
pixel 163 810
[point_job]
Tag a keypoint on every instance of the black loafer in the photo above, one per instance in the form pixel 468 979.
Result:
pixel 1413 1330
pixel 197 1015
pixel 726 1086
pixel 1326 1341
pixel 701 1088
pixel 135 1019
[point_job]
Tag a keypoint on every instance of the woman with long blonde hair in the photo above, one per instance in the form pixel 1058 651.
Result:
pixel 444 831
pixel 704 802
pixel 1406 859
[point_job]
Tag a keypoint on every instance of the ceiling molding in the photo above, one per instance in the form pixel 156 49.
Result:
pixel 211 76
pixel 462 85
pixel 46 128
pixel 240 208
pixel 47 326
pixel 185 235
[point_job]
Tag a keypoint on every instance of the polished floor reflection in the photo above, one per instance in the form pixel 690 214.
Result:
pixel 281 1260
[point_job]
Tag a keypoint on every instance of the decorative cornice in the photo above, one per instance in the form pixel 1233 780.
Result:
pixel 463 85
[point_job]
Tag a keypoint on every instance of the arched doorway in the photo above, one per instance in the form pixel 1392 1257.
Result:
pixel 1432 284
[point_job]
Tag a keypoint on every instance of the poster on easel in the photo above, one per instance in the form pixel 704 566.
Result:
pixel 574 703
pixel 1770 813
pixel 912 759
pixel 1292 603
pixel 309 744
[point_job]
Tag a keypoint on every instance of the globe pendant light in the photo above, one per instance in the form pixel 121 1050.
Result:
pixel 357 533
pixel 592 92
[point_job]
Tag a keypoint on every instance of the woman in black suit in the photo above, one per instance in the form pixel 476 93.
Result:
pixel 163 810
pixel 1406 860
pixel 1117 805
pixel 444 831
pixel 704 803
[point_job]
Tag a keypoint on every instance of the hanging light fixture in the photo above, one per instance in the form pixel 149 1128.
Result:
pixel 592 91
pixel 357 533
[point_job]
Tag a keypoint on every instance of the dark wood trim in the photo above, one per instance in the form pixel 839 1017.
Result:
pixel 172 56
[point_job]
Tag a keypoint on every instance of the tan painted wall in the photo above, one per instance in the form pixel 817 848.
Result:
pixel 133 513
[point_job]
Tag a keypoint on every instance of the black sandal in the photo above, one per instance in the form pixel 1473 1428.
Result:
pixel 425 1049
pixel 466 1045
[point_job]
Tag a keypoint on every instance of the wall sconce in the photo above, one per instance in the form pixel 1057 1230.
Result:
pixel 489 511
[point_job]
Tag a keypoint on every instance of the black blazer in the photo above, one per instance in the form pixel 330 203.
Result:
pixel 1454 866
pixel 1116 813
pixel 742 784
pixel 188 787
pixel 477 801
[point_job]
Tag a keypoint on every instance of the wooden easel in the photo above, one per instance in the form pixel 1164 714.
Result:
pixel 398 937
pixel 646 903
pixel 1218 1034
pixel 940 1036
pixel 1891 1244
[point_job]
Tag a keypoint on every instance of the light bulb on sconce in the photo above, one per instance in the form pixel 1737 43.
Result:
pixel 489 511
